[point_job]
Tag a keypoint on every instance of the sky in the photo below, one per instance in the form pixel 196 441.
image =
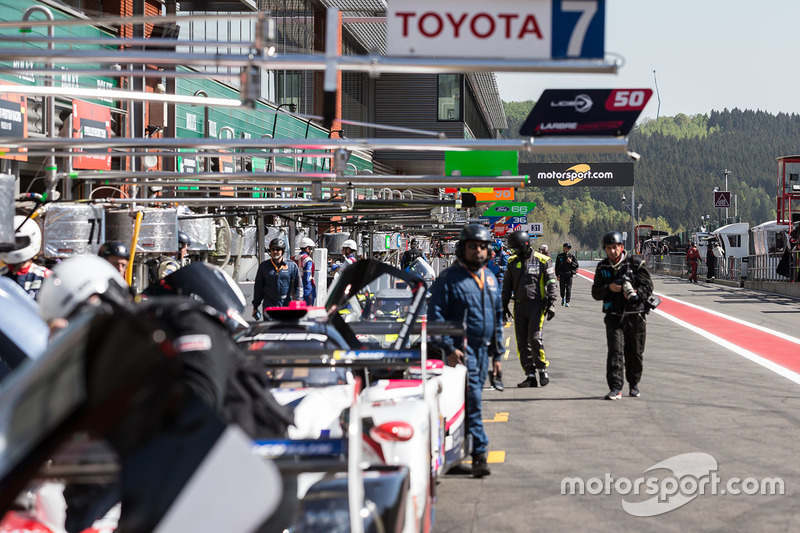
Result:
pixel 707 54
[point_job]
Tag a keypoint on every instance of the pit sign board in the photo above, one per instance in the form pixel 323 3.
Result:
pixel 507 29
pixel 609 112
pixel 514 209
pixel 91 121
pixel 537 228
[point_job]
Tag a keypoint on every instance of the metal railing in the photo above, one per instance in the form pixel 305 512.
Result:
pixel 757 267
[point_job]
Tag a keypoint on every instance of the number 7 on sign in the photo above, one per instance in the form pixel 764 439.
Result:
pixel 587 10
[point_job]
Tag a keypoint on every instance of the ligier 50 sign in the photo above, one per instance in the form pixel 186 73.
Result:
pixel 505 29
pixel 610 112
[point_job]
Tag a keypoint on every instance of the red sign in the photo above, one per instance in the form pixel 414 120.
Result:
pixel 14 121
pixel 91 121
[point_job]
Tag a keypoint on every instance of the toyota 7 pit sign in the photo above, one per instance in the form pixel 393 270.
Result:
pixel 504 29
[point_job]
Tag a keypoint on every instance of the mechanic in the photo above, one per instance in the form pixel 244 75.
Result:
pixel 115 253
pixel 468 292
pixel 164 265
pixel 566 268
pixel 531 280
pixel 349 249
pixel 277 281
pixel 624 285
pixel 21 268
pixel 498 261
pixel 306 265
pixel 409 255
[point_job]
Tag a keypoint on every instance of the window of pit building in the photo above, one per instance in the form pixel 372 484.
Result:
pixel 451 87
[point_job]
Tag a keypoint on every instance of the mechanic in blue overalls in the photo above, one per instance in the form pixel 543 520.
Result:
pixel 306 265
pixel 469 292
pixel 499 261
pixel 277 280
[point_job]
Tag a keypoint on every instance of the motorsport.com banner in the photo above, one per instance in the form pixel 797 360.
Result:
pixel 578 174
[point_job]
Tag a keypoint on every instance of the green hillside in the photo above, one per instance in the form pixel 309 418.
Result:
pixel 683 159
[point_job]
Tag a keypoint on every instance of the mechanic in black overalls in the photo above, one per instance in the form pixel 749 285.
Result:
pixel 531 280
pixel 624 285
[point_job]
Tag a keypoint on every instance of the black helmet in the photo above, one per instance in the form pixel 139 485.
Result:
pixel 475 232
pixel 113 248
pixel 208 283
pixel 277 243
pixel 518 239
pixel 568 245
pixel 183 239
pixel 413 243
pixel 612 237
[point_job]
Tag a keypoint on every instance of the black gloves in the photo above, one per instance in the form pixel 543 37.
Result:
pixel 549 311
pixel 506 313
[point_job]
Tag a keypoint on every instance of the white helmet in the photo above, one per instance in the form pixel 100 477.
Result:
pixel 305 242
pixel 77 279
pixel 350 243
pixel 30 236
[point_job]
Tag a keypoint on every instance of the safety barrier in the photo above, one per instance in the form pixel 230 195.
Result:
pixel 754 268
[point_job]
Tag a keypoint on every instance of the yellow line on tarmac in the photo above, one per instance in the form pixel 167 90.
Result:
pixel 497 456
pixel 499 417
pixel 508 341
pixel 505 356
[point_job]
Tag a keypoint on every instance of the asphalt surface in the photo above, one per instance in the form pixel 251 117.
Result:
pixel 698 397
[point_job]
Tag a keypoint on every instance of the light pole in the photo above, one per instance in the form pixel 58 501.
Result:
pixel 726 172
pixel 633 219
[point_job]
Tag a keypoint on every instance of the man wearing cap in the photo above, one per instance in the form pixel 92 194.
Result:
pixel 566 268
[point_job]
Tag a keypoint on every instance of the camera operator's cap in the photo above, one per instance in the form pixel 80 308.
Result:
pixel 567 245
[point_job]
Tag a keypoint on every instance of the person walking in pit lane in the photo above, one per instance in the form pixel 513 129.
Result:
pixel 531 280
pixel 623 283
pixel 468 292
pixel 277 280
pixel 692 259
pixel 498 261
pixel 566 269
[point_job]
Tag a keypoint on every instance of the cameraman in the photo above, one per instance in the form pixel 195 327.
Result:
pixel 624 285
